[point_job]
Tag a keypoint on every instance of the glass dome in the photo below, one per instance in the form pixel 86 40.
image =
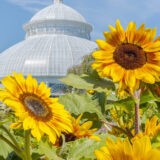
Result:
pixel 58 11
pixel 58 19
pixel 48 56
pixel 57 38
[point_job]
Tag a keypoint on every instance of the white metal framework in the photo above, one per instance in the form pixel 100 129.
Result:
pixel 57 37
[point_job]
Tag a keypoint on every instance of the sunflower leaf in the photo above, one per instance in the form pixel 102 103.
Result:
pixel 147 96
pixel 77 104
pixel 88 82
pixel 127 103
pixel 48 151
pixel 12 156
pixel 3 122
pixel 102 98
pixel 84 148
pixel 5 149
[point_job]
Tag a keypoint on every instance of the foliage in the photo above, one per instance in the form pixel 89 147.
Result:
pixel 84 147
pixel 88 82
pixel 84 67
pixel 48 150
pixel 4 148
pixel 73 103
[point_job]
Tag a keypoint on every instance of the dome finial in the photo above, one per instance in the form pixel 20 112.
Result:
pixel 58 1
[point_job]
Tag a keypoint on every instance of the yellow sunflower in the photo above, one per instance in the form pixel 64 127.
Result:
pixel 152 128
pixel 83 130
pixel 34 107
pixel 129 57
pixel 141 149
pixel 79 131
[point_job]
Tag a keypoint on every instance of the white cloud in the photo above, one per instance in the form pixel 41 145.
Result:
pixel 31 5
pixel 31 9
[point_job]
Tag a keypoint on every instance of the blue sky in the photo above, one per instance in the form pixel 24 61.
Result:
pixel 99 13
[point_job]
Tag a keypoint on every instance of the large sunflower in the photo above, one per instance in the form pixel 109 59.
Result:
pixel 34 107
pixel 129 57
pixel 141 149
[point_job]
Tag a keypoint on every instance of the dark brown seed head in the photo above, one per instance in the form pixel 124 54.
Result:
pixel 130 56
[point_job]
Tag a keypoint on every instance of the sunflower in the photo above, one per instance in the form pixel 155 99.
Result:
pixel 128 57
pixel 83 130
pixel 141 149
pixel 79 131
pixel 34 107
pixel 152 128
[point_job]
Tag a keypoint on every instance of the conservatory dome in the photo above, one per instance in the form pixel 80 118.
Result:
pixel 58 11
pixel 57 38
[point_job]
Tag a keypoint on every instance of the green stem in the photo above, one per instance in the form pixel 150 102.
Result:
pixel 63 144
pixel 11 137
pixel 137 118
pixel 118 128
pixel 19 152
pixel 27 134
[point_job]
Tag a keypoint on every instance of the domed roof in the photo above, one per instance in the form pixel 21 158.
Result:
pixel 58 11
pixel 48 56
pixel 57 38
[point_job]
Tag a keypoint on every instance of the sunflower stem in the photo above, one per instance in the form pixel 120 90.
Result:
pixel 27 134
pixel 137 118
pixel 11 137
pixel 118 128
pixel 19 152
pixel 63 144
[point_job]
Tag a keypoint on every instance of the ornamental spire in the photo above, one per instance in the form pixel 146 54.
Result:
pixel 58 1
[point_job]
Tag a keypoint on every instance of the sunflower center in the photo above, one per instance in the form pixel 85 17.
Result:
pixel 68 137
pixel 130 56
pixel 36 106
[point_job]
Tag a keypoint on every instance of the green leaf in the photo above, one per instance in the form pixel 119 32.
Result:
pixel 84 148
pixel 78 104
pixel 112 97
pixel 83 158
pixel 48 150
pixel 147 96
pixel 13 156
pixel 36 156
pixel 1 158
pixel 3 122
pixel 101 97
pixel 5 149
pixel 127 103
pixel 88 82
